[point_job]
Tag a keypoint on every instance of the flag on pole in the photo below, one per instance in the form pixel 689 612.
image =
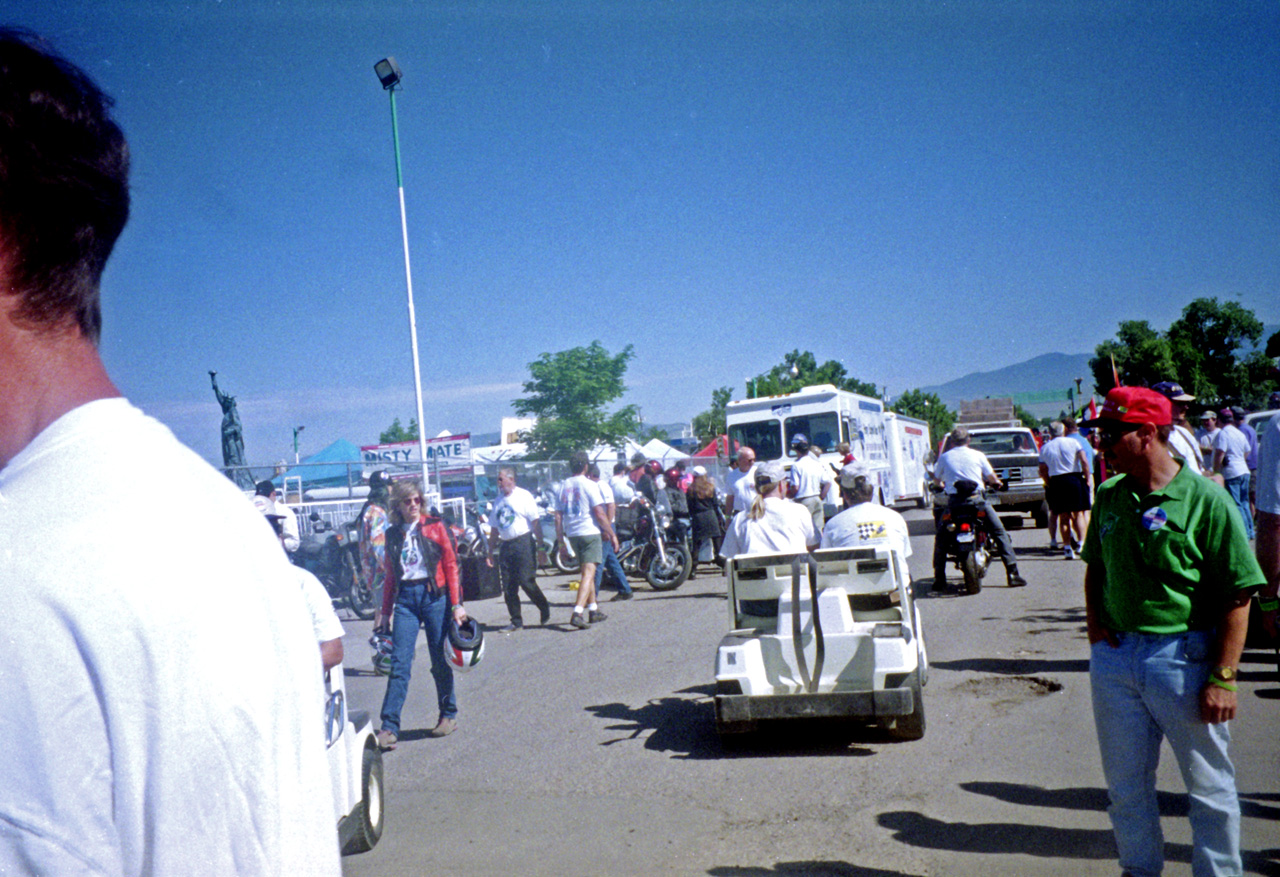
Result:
pixel 1093 408
pixel 1115 375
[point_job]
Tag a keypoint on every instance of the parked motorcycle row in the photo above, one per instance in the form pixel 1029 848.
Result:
pixel 333 557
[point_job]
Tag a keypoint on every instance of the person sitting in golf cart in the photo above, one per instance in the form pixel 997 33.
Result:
pixel 864 523
pixel 773 524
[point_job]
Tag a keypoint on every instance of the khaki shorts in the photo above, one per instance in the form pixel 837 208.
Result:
pixel 587 548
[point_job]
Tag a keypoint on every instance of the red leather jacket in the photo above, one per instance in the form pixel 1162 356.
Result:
pixel 446 572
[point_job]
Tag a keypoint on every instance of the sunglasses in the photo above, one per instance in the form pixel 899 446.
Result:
pixel 411 500
pixel 1111 433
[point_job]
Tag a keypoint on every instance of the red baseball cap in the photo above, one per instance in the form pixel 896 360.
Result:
pixel 1134 405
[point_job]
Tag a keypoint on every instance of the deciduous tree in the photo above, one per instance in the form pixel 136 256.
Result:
pixel 397 433
pixel 567 393
pixel 927 407
pixel 800 369
pixel 711 423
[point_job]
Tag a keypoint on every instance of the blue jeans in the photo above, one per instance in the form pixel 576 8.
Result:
pixel 1146 689
pixel 414 609
pixel 1238 487
pixel 614 567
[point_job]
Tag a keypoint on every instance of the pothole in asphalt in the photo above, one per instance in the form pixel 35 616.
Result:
pixel 1010 689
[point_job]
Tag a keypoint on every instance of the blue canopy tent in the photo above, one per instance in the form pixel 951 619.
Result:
pixel 338 465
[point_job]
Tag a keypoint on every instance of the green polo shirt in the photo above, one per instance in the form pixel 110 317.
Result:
pixel 1169 558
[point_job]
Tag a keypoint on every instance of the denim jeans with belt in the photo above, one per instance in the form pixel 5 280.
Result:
pixel 417 606
pixel 1146 689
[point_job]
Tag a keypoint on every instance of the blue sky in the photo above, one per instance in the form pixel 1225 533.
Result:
pixel 919 190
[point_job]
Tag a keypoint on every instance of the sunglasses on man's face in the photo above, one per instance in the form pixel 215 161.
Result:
pixel 1110 434
pixel 412 500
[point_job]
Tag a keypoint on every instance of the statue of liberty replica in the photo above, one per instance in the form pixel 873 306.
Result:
pixel 232 437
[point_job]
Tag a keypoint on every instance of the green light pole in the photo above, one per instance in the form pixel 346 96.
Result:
pixel 388 72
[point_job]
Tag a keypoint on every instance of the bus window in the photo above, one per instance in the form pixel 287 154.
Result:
pixel 822 430
pixel 762 436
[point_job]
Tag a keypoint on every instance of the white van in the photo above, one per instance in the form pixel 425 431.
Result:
pixel 826 416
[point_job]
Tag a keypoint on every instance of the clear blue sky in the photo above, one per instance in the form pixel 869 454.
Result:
pixel 919 190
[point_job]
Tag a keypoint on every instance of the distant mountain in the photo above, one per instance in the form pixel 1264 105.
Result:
pixel 1034 382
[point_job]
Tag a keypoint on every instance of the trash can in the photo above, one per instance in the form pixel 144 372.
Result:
pixel 479 580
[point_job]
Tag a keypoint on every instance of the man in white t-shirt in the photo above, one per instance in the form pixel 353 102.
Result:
pixel 514 519
pixel 1205 435
pixel 266 500
pixel 740 483
pixel 162 692
pixel 963 463
pixel 623 490
pixel 1183 443
pixel 864 523
pixel 1230 460
pixel 324 620
pixel 1068 484
pixel 582 516
pixel 810 479
pixel 609 563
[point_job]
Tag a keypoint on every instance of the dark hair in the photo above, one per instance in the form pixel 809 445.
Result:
pixel 593 471
pixel 619 468
pixel 578 461
pixel 64 184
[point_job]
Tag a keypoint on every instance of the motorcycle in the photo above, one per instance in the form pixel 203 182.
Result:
pixel 966 542
pixel 651 544
pixel 552 552
pixel 333 558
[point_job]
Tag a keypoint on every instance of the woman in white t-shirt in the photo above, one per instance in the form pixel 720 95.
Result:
pixel 773 525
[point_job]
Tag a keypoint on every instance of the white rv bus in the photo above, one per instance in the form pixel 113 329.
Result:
pixel 826 416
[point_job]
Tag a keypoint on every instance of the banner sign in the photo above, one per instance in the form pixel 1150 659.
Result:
pixel 449 455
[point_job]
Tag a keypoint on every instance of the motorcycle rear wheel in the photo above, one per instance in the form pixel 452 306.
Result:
pixel 360 597
pixel 563 560
pixel 972 569
pixel 669 575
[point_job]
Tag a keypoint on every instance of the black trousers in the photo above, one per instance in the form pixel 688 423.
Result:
pixel 518 563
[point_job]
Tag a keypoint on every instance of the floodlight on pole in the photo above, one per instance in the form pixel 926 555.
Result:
pixel 388 72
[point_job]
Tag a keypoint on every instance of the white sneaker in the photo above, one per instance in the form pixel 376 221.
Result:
pixel 1068 553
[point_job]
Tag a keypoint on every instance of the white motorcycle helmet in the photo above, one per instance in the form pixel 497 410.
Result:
pixel 464 645
pixel 382 650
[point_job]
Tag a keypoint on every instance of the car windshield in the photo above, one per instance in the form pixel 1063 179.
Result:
pixel 1012 442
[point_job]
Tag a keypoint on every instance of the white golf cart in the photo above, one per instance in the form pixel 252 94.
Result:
pixel 355 766
pixel 861 655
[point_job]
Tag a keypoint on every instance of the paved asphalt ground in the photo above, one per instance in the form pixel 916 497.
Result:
pixel 595 753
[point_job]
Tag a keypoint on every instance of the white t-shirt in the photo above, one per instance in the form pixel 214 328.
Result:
pixel 870 525
pixel 623 490
pixel 1206 437
pixel 1269 467
pixel 808 474
pixel 1182 444
pixel 162 694
pixel 324 621
pixel 786 526
pixel 962 463
pixel 742 487
pixel 1061 456
pixel 515 515
pixel 578 496
pixel 1234 447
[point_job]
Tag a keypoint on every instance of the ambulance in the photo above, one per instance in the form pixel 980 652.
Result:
pixel 826 416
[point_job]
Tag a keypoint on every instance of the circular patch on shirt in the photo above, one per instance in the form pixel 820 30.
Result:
pixel 1154 518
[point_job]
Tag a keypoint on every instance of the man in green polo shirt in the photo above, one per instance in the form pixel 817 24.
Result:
pixel 1167 591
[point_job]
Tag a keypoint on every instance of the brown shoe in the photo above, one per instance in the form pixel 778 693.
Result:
pixel 386 740
pixel 444 727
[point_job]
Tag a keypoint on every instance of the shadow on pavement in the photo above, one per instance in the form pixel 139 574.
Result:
pixel 685 726
pixel 1014 666
pixel 1014 838
pixel 803 869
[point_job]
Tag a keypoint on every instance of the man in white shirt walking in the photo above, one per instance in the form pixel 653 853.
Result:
pixel 514 518
pixel 810 480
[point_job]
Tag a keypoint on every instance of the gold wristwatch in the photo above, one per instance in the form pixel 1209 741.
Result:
pixel 1224 673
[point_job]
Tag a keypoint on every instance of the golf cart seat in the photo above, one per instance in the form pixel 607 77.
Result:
pixel 760 580
pixel 867 576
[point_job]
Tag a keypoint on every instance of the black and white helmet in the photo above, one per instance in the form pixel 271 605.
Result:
pixel 464 644
pixel 382 650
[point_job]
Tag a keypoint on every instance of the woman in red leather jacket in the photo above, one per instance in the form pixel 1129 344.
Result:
pixel 420 590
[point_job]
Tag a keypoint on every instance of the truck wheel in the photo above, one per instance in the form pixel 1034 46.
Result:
pixel 972 570
pixel 1041 515
pixel 911 727
pixel 368 813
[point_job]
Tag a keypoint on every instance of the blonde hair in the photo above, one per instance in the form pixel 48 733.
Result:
pixel 757 504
